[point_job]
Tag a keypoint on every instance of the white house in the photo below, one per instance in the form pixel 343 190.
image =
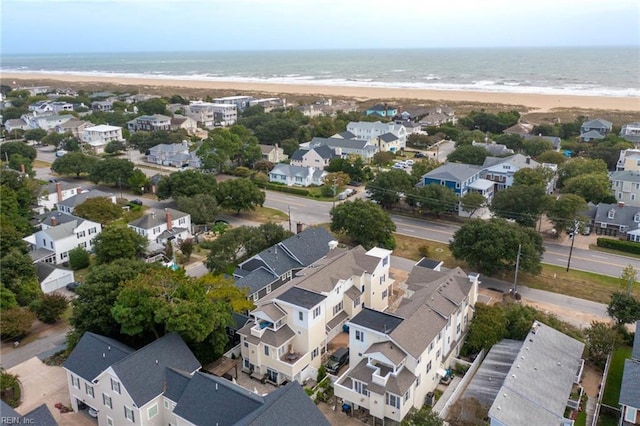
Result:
pixel 61 233
pixel 318 157
pixel 396 358
pixel 52 278
pixel 68 204
pixel 54 193
pixel 161 226
pixel 395 135
pixel 296 175
pixel 97 137
pixel 630 390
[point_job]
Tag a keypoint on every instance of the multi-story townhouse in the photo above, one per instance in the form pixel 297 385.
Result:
pixel 631 132
pixel 97 137
pixel 626 187
pixel 502 169
pixel 293 325
pixel 209 114
pixel 318 157
pixel 150 123
pixel 74 126
pixel 397 358
pixel 629 160
pixel 390 136
pixel 47 121
pixel 241 102
pixel 61 233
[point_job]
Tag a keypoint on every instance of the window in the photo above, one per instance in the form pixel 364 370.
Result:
pixel 619 198
pixel 314 353
pixel 633 197
pixel 458 328
pixel 75 381
pixel 439 336
pixel 360 335
pixel 337 308
pixel 360 387
pixel 109 421
pixel 80 234
pixel 418 380
pixel 438 354
pixel 430 347
pixel 152 411
pixel 128 414
pixel 301 316
pixel 88 389
pixel 383 278
pixel 429 366
pixel 92 230
pixel 393 400
pixel 64 255
pixel 84 244
pixel 266 350
pixel 115 386
pixel 245 343
pixel 384 294
pixel 630 414
pixel 406 396
pixel 356 302
pixel 268 288
pixel 106 400
pixel 385 261
pixel 166 404
pixel 316 312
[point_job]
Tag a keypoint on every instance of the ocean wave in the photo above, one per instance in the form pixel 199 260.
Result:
pixel 429 84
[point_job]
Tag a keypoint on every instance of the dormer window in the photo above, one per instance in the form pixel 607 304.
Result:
pixel 636 218
pixel 611 214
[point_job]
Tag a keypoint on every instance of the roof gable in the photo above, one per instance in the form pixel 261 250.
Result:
pixel 94 354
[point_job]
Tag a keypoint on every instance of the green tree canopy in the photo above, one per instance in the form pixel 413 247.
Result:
pixel 8 149
pixel 468 154
pixel 422 167
pixel 118 242
pixel 492 246
pixel 554 157
pixel 522 203
pixel 471 202
pixel 580 166
pixel 74 163
pixel 601 340
pixel 364 223
pixel 152 106
pixel 593 187
pixel 113 171
pixel 98 209
pixel 534 147
pixel 35 134
pixel 387 187
pixel 564 210
pixel 187 184
pixel 203 208
pixel 624 308
pixel 433 198
pixel 239 195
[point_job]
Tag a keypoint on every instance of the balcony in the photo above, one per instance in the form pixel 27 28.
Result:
pixel 381 375
pixel 575 397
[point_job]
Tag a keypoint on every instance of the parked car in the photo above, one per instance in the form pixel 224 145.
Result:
pixel 137 202
pixel 73 286
pixel 409 162
pixel 349 192
pixel 339 358
pixel 61 153
pixel 419 155
pixel 397 166
pixel 368 193
pixel 355 183
pixel 92 412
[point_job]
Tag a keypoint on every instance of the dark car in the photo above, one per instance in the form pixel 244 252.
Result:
pixel 419 155
pixel 73 286
pixel 137 202
pixel 339 358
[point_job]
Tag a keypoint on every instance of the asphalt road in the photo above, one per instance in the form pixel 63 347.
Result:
pixel 44 346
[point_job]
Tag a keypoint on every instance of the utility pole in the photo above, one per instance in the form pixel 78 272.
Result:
pixel 573 238
pixel 289 211
pixel 515 278
pixel 333 187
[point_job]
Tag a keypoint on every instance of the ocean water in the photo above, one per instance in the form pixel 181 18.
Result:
pixel 598 71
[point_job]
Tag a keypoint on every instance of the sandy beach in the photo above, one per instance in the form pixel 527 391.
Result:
pixel 534 102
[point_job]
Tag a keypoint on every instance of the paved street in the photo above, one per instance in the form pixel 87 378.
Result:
pixel 46 344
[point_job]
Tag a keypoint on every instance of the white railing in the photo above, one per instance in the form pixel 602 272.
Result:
pixel 596 413
pixel 462 385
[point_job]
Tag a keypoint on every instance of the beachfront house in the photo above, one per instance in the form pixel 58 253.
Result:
pixel 208 114
pixel 291 175
pixel 629 160
pixel 241 102
pixel 389 136
pixel 382 110
pixel 150 123
pixel 593 130
pixel 102 106
pixel 439 116
pixel 631 132
pixel 97 137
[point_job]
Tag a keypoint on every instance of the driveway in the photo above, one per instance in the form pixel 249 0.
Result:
pixel 43 384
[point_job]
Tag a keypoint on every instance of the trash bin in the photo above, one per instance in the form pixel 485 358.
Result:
pixel 430 399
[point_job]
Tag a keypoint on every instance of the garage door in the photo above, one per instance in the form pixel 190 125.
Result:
pixel 52 283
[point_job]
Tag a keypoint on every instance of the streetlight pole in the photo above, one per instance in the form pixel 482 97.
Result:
pixel 573 238
pixel 515 278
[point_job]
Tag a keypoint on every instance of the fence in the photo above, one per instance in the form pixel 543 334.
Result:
pixel 462 385
pixel 596 413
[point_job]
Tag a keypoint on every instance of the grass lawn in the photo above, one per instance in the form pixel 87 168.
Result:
pixel 614 378
pixel 612 251
pixel 607 419
pixel 409 248
pixel 261 214
pixel 39 164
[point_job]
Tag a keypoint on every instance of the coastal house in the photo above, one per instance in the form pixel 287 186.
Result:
pixel 538 375
pixel 75 127
pixel 102 106
pixel 180 122
pixel 269 104
pixel 35 90
pixel 16 124
pixel 291 327
pixel 629 160
pixel 630 390
pixel 150 123
pixel 59 106
pixel 555 141
pixel 175 155
pixel 617 220
pixel 52 278
pixel 40 107
pixel 631 132
pixel 54 193
pixel 438 116
pixel 297 175
pixel 97 137
pixel 519 129
pixel 382 110
pixel 397 358
pixel 162 226
pixel 345 147
pixel 502 169
pixel 272 153
pixel 626 187
pixel 494 149
pixel 132 99
pixel 61 233
pixel 273 267
pixel 47 121
pixel 389 136
pixel 207 114
pixel 318 157
pixel 68 205
pixel 241 102
pixel 460 178
pixel 595 130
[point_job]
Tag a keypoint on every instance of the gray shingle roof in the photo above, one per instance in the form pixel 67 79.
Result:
pixel 347 135
pixel 87 360
pixel 592 134
pixel 598 123
pixel 39 416
pixel 325 152
pixel 517 160
pixel 43 270
pixel 429 263
pixel 635 354
pixel 298 154
pixel 376 320
pixel 301 297
pixel 389 350
pixel 78 199
pixel 256 280
pixel 156 217
pixel 175 383
pixel 340 143
pixel 630 390
pixel 454 172
pixel 625 176
pixel 143 372
pixel 388 137
pixel 621 215
pixel 61 218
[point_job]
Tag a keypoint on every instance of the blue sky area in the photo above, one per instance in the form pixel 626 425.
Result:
pixel 70 26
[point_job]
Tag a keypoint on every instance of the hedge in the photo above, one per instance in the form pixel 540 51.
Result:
pixel 282 188
pixel 626 246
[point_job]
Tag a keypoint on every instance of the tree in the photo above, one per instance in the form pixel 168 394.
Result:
pixel 382 158
pixel 522 203
pixel 239 194
pixel 289 146
pixel 50 307
pixel 387 187
pixel 220 146
pixel 553 157
pixel 580 166
pixel 219 288
pixel 601 340
pixel 539 176
pixel 203 208
pixel 115 146
pixel 74 163
pixel 227 249
pixel 118 242
pixel 8 149
pixel 113 171
pixel 471 202
pixel 99 209
pixel 79 258
pixel 16 323
pixel 186 184
pixel 152 106
pixel 624 308
pixel 434 198
pixel 420 168
pixel 468 154
pixel 593 187
pixel 492 246
pixel 17 162
pixel 186 247
pixel 533 147
pixel 628 278
pixel 364 223
pixel 264 236
pixel 333 181
pixel 565 210
pixel 7 299
pixel 487 328
pixel 425 416
pixel 35 134
pixel 19 276
pixel 137 181
pixel 54 139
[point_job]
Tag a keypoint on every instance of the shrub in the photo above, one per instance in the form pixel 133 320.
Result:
pixel 423 250
pixel 626 246
pixel 50 307
pixel 79 258
pixel 16 323
pixel 10 387
pixel 243 172
pixel 322 373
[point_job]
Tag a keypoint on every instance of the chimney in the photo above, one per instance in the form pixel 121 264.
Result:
pixel 298 228
pixel 620 204
pixel 528 160
pixel 54 221
pixel 22 169
pixel 168 216
pixel 59 191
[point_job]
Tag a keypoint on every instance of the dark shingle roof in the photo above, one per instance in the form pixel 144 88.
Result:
pixel 239 320
pixel 43 270
pixel 143 372
pixel 429 263
pixel 347 135
pixel 39 416
pixel 621 215
pixel 175 384
pixel 93 354
pixel 156 217
pixel 298 154
pixel 375 320
pixel 388 137
pixel 630 390
pixel 325 152
pixel 78 199
pixel 301 297
pixel 635 354
pixel 454 172
pixel 256 280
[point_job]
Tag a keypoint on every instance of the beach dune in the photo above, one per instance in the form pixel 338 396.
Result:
pixel 532 102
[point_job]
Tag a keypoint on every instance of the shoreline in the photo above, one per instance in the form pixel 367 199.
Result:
pixel 534 102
